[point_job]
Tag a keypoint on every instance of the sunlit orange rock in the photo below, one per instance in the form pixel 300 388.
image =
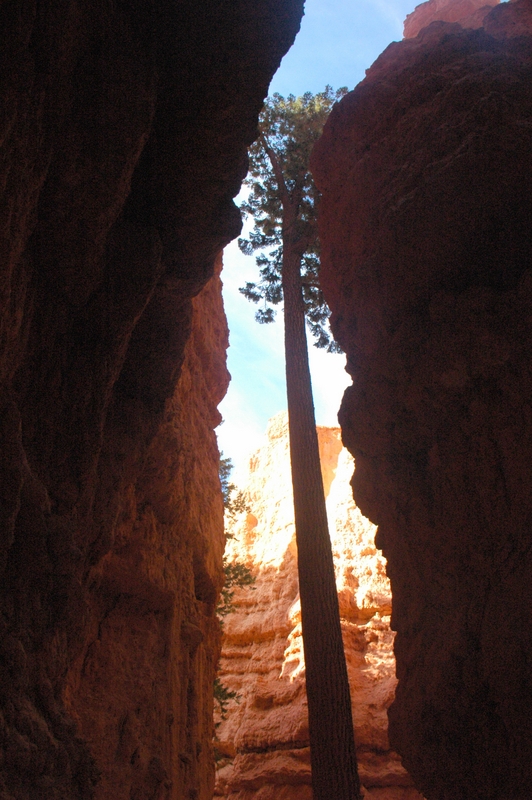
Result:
pixel 469 13
pixel 141 690
pixel 265 734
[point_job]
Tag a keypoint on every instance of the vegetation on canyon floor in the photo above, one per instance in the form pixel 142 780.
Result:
pixel 283 202
pixel 236 574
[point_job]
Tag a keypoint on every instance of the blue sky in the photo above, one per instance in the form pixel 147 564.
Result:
pixel 338 41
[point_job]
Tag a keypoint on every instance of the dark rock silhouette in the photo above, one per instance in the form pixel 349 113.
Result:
pixel 426 217
pixel 124 129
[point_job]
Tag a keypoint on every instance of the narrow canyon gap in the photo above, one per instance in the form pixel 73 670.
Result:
pixel 124 129
pixel 263 741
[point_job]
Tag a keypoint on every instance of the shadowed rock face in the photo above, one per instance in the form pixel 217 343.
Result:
pixel 124 129
pixel 425 171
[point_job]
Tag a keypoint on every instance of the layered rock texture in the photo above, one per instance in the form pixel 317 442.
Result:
pixel 140 691
pixel 123 130
pixel 426 217
pixel 263 742
pixel 469 13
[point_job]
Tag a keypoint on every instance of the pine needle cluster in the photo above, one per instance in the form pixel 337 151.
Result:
pixel 289 128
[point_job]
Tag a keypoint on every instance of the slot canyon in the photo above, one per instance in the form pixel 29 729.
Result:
pixel 123 131
pixel 262 738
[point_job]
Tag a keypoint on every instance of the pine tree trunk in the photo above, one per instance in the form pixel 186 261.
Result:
pixel 332 744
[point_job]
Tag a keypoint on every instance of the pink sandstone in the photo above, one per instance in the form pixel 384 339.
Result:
pixel 264 740
pixel 469 13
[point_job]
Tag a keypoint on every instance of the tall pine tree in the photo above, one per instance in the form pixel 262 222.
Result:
pixel 283 202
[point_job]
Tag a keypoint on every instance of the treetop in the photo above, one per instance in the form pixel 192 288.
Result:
pixel 283 201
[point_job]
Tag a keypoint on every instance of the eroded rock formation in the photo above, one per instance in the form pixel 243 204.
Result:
pixel 469 13
pixel 265 734
pixel 123 129
pixel 426 217
pixel 140 691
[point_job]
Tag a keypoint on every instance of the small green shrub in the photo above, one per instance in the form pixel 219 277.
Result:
pixel 236 573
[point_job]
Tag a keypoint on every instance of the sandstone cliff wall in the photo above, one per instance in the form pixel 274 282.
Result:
pixel 263 742
pixel 425 171
pixel 469 13
pixel 123 130
pixel 141 690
